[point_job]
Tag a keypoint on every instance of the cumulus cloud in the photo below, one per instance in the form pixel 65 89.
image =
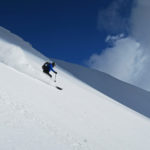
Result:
pixel 140 22
pixel 125 60
pixel 128 58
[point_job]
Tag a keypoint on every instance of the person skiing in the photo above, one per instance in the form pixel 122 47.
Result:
pixel 47 67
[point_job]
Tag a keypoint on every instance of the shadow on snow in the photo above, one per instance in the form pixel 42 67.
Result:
pixel 126 94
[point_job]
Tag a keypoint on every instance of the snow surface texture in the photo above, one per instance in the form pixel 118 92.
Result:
pixel 37 116
pixel 19 54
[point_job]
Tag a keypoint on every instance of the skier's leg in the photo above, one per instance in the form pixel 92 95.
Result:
pixel 47 72
pixel 50 75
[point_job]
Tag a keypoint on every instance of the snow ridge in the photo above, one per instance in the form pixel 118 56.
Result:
pixel 124 93
pixel 20 55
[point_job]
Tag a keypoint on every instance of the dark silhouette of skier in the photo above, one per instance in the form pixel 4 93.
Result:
pixel 47 67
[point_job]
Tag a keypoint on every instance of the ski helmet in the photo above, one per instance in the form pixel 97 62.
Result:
pixel 53 64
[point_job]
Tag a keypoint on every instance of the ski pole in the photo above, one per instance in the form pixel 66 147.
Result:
pixel 55 78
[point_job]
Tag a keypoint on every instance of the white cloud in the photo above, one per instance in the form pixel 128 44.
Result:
pixel 140 22
pixel 129 57
pixel 125 60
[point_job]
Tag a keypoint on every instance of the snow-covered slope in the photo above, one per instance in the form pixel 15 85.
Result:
pixel 34 115
pixel 126 94
pixel 20 55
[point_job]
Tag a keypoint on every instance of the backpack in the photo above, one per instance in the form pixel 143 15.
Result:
pixel 45 66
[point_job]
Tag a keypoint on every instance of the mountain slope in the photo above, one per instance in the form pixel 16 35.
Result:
pixel 36 115
pixel 124 93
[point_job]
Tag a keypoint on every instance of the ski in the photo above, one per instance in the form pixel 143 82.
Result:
pixel 59 88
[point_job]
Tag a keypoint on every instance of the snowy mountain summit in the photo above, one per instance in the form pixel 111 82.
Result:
pixel 94 111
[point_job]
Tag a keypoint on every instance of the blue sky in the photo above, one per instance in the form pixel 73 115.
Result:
pixel 71 30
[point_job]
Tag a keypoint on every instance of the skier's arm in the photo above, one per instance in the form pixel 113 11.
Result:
pixel 53 70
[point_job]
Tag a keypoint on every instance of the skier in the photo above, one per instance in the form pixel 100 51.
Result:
pixel 47 67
